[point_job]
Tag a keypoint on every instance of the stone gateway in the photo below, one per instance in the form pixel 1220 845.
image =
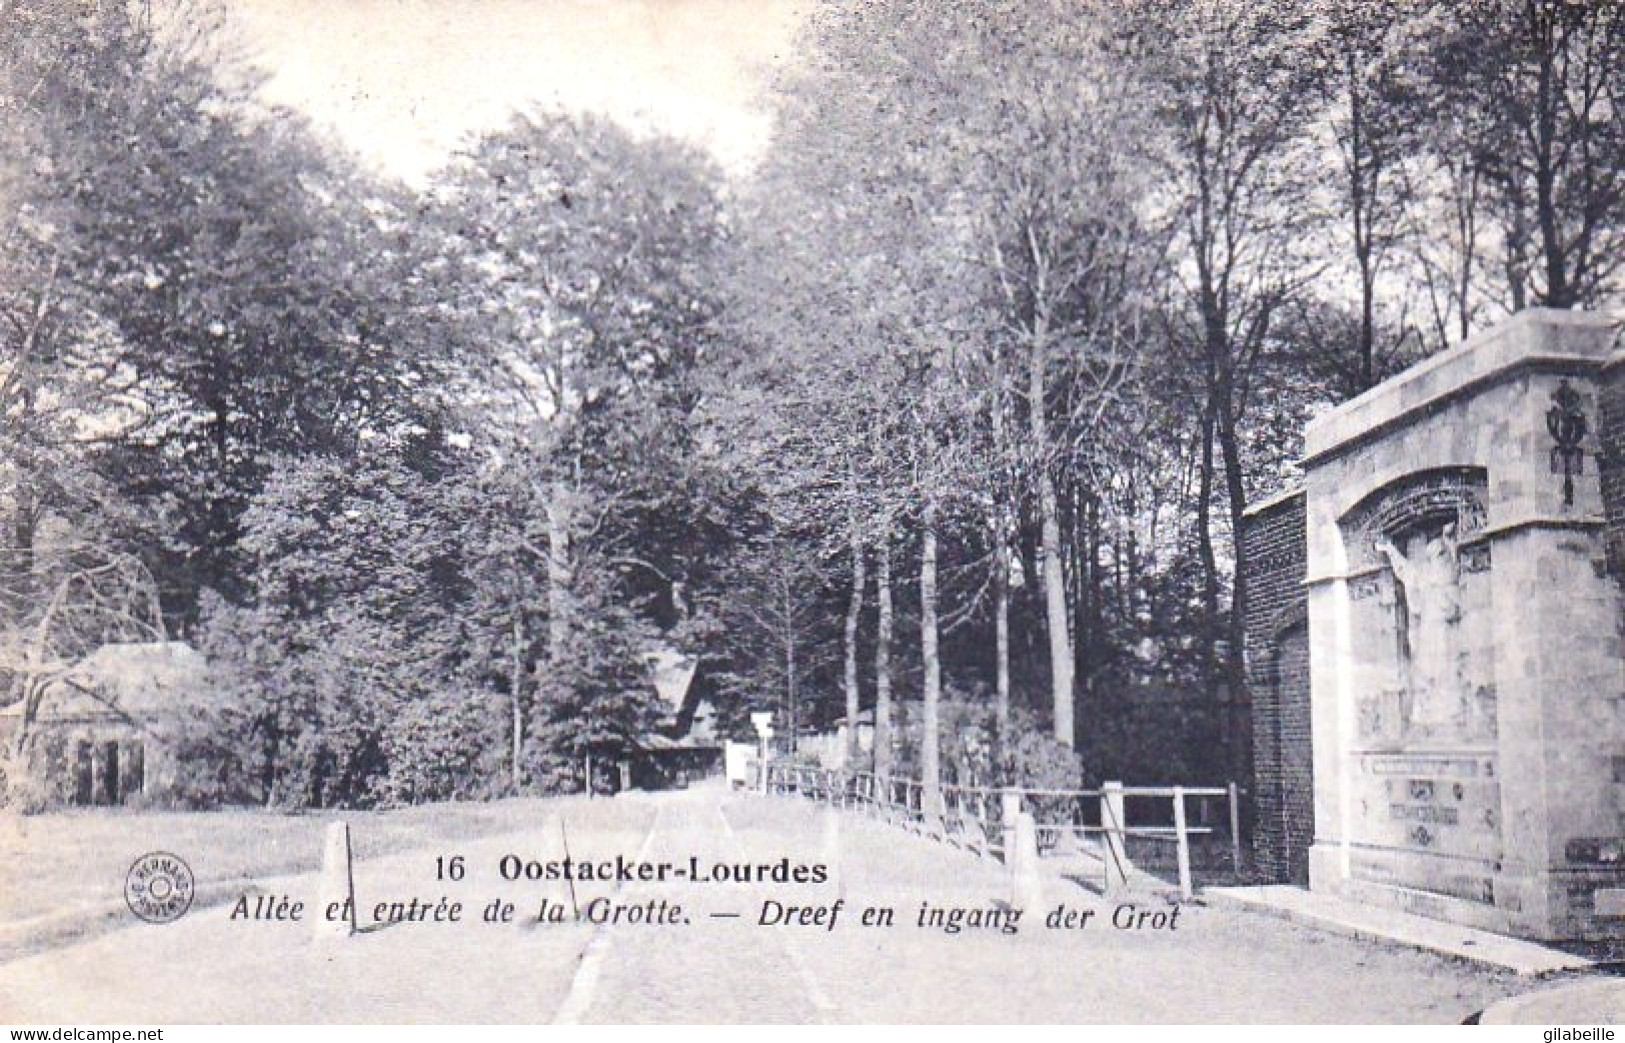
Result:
pixel 1447 564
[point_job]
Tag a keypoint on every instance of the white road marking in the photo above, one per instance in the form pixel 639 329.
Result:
pixel 584 985
pixel 820 1000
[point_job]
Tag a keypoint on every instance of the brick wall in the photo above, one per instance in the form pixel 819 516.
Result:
pixel 1278 682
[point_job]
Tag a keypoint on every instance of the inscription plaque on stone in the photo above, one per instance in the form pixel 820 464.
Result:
pixel 1609 901
pixel 1436 805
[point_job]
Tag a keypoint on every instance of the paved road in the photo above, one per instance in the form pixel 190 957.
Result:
pixel 717 962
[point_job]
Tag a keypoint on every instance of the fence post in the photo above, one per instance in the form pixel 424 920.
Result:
pixel 1235 830
pixel 1183 843
pixel 1009 808
pixel 1026 885
pixel 829 851
pixel 1111 821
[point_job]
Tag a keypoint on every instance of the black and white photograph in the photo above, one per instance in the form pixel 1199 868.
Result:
pixel 804 512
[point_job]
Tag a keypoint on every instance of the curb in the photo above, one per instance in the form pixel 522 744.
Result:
pixel 1558 962
pixel 1589 1002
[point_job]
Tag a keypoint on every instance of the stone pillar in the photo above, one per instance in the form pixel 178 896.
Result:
pixel 337 886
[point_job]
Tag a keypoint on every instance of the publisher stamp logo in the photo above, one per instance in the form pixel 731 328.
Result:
pixel 159 887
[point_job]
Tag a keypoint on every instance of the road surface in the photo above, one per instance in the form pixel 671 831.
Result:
pixel 699 950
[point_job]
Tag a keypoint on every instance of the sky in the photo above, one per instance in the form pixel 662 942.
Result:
pixel 404 82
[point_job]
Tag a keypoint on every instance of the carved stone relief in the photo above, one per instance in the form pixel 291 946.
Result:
pixel 1421 611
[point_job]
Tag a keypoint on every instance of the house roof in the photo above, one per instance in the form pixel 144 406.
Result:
pixel 673 673
pixel 653 742
pixel 130 679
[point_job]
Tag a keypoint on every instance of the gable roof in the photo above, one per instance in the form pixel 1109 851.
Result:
pixel 128 679
pixel 673 672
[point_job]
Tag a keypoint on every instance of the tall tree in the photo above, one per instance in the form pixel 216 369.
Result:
pixel 1376 90
pixel 239 269
pixel 778 610
pixel 63 386
pixel 578 254
pixel 1006 212
pixel 1059 211
pixel 353 672
pixel 1236 101
pixel 1546 79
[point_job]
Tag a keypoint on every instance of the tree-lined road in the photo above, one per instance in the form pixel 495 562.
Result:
pixel 719 963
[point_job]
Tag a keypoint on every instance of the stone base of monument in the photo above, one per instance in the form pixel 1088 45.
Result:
pixel 1539 902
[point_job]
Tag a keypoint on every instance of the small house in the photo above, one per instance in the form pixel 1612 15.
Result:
pixel 686 747
pixel 107 728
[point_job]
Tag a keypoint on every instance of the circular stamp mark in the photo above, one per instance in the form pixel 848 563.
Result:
pixel 159 887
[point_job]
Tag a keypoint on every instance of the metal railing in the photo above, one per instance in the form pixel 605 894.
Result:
pixel 980 818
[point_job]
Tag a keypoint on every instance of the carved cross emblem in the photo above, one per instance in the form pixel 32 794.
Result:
pixel 1567 425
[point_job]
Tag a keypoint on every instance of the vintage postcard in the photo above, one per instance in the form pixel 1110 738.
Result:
pixel 563 512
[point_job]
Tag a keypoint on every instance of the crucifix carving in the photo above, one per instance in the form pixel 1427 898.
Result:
pixel 1566 423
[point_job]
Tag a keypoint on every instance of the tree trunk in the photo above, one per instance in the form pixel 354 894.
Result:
pixel 1049 552
pixel 854 610
pixel 1233 736
pixel 1361 207
pixel 1090 609
pixel 1516 261
pixel 1210 564
pixel 32 684
pixel 518 699
pixel 790 668
pixel 268 774
pixel 559 521
pixel 20 584
pixel 1467 223
pixel 1001 575
pixel 883 638
pixel 1559 294
pixel 1001 639
pixel 1060 640
pixel 930 768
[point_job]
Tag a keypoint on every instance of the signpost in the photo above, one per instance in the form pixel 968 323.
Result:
pixel 763 722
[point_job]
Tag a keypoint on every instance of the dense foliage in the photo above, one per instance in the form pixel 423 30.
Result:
pixel 946 413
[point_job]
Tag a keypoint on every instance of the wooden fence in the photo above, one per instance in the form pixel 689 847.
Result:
pixel 1120 819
